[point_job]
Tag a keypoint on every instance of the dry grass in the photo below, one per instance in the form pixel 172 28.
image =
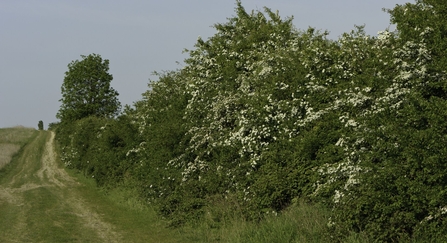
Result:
pixel 7 150
pixel 15 135
pixel 11 140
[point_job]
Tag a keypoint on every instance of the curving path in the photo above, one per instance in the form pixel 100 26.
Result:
pixel 39 201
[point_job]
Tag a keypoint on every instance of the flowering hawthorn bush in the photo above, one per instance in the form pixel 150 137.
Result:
pixel 265 113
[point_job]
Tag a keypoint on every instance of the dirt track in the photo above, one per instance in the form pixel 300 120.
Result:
pixel 38 193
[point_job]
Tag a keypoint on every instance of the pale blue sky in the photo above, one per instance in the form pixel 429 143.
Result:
pixel 39 38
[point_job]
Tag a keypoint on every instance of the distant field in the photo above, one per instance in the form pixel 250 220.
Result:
pixel 11 139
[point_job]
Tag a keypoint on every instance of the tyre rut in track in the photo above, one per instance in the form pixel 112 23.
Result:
pixel 62 186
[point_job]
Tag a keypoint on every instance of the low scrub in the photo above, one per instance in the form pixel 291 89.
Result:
pixel 97 147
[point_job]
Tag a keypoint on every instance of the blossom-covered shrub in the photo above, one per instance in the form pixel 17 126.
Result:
pixel 264 114
pixel 270 113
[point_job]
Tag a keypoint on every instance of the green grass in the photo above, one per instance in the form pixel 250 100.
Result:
pixel 300 223
pixel 49 220
pixel 136 221
pixel 31 211
pixel 35 214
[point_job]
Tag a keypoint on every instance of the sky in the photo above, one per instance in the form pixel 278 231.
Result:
pixel 38 39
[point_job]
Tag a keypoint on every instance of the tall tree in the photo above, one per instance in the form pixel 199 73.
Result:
pixel 40 125
pixel 86 90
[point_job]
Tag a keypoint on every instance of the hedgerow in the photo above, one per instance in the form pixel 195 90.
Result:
pixel 263 114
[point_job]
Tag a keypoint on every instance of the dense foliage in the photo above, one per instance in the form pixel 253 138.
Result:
pixel 263 115
pixel 86 90
pixel 40 125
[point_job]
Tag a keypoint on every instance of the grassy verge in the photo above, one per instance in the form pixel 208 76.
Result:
pixel 49 220
pixel 136 221
pixel 300 223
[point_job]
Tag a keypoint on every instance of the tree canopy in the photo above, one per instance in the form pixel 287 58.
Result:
pixel 86 90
